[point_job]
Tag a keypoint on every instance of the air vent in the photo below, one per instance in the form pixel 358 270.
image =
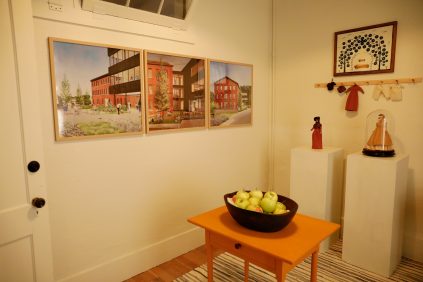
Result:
pixel 170 13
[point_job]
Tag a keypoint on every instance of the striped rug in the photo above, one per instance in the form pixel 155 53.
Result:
pixel 331 268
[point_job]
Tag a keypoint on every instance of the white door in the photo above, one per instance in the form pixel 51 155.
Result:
pixel 25 250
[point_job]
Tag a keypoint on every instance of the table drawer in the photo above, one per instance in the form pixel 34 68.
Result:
pixel 245 252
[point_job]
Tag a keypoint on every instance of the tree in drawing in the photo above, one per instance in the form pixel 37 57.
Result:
pixel 161 99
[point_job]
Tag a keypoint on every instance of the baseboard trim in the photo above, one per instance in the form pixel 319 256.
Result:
pixel 131 264
pixel 413 247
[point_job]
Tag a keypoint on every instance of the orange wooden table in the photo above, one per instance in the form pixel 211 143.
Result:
pixel 277 252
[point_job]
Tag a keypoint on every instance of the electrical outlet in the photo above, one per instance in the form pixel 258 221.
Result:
pixel 55 7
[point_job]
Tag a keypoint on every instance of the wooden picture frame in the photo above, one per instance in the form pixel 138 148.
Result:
pixel 175 92
pixel 365 50
pixel 231 94
pixel 97 90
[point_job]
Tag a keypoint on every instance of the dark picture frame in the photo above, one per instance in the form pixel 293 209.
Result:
pixel 97 90
pixel 365 50
pixel 175 92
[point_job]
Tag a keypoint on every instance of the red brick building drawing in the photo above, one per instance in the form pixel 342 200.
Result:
pixel 226 94
pixel 185 87
pixel 122 84
pixel 100 90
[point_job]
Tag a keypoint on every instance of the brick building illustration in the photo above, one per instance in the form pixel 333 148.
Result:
pixel 227 94
pixel 121 85
pixel 185 88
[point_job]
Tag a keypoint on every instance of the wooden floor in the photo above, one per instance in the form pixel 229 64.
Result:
pixel 174 268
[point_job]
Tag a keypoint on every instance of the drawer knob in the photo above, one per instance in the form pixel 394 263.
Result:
pixel 237 246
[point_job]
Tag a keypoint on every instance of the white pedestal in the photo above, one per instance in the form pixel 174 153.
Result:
pixel 375 194
pixel 316 184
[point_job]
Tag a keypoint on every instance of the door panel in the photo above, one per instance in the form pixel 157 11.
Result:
pixel 13 190
pixel 15 262
pixel 14 224
pixel 25 250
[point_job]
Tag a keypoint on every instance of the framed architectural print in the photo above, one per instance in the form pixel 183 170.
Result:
pixel 175 92
pixel 96 90
pixel 365 50
pixel 231 94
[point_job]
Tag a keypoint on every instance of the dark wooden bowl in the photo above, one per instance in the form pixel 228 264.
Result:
pixel 261 221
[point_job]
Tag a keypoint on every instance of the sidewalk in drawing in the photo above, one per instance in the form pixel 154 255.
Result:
pixel 243 117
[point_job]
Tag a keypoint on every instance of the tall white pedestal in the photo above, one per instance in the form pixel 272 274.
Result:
pixel 375 195
pixel 316 184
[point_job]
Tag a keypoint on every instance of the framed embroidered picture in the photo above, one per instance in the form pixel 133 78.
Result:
pixel 365 50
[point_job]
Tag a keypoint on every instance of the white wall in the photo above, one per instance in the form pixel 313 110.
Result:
pixel 119 206
pixel 304 56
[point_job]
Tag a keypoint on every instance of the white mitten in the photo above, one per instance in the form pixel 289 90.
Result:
pixel 396 92
pixel 378 91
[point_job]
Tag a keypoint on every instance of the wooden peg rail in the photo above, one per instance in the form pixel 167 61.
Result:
pixel 372 82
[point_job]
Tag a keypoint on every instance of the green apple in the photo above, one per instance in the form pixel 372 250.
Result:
pixel 242 203
pixel 254 208
pixel 268 204
pixel 241 194
pixel 280 211
pixel 272 195
pixel 279 205
pixel 256 194
pixel 254 201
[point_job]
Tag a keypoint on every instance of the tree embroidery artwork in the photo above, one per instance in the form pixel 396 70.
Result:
pixel 367 50
pixel 368 44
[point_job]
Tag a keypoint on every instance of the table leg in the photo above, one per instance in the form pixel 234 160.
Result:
pixel 246 270
pixel 314 256
pixel 281 271
pixel 209 254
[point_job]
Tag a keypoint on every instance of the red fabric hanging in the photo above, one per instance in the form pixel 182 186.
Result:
pixel 352 101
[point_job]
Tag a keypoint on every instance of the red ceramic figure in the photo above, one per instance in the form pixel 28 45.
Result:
pixel 317 134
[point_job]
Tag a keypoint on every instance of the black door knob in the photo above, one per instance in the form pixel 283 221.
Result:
pixel 38 202
pixel 33 166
